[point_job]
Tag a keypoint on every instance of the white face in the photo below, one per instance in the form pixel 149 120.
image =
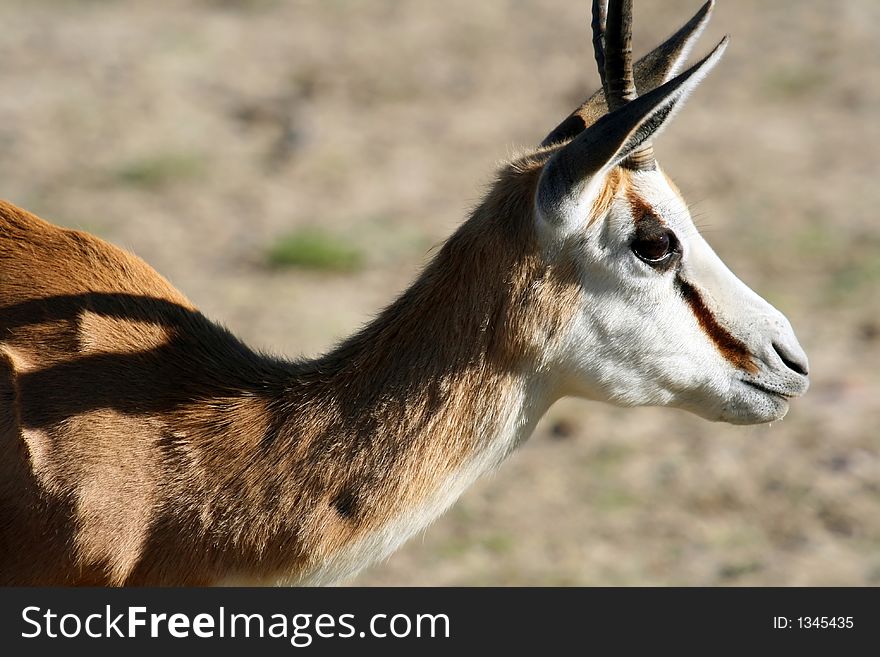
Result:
pixel 664 321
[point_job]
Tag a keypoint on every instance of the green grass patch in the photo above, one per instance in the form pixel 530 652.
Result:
pixel 313 249
pixel 735 570
pixel 499 543
pixel 159 170
pixel 853 277
pixel 243 5
pixel 609 499
pixel 794 82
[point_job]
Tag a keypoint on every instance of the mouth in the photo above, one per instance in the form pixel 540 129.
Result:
pixel 758 402
pixel 769 391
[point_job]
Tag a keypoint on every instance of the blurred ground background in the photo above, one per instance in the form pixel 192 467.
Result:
pixel 290 165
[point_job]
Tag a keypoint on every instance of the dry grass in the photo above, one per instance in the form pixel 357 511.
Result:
pixel 317 113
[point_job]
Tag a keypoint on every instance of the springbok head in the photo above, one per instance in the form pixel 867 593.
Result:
pixel 664 321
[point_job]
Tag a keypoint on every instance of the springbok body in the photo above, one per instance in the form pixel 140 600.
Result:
pixel 140 443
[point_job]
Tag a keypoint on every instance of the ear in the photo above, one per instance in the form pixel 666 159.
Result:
pixel 661 64
pixel 652 70
pixel 612 138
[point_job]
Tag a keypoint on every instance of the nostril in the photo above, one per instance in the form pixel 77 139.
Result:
pixel 791 362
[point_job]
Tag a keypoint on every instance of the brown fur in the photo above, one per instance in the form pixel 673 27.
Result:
pixel 612 183
pixel 641 210
pixel 141 443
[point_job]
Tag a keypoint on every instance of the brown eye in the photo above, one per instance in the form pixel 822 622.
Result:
pixel 654 249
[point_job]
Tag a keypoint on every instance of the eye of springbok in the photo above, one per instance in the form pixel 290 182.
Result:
pixel 655 245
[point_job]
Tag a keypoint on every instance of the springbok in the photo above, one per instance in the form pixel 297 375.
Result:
pixel 143 444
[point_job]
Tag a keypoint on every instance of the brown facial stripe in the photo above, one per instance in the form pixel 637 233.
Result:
pixel 641 210
pixel 731 348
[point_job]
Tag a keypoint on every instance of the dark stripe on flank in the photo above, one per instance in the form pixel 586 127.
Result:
pixel 732 349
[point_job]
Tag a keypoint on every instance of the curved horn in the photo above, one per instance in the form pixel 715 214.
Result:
pixel 618 55
pixel 652 70
pixel 600 17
